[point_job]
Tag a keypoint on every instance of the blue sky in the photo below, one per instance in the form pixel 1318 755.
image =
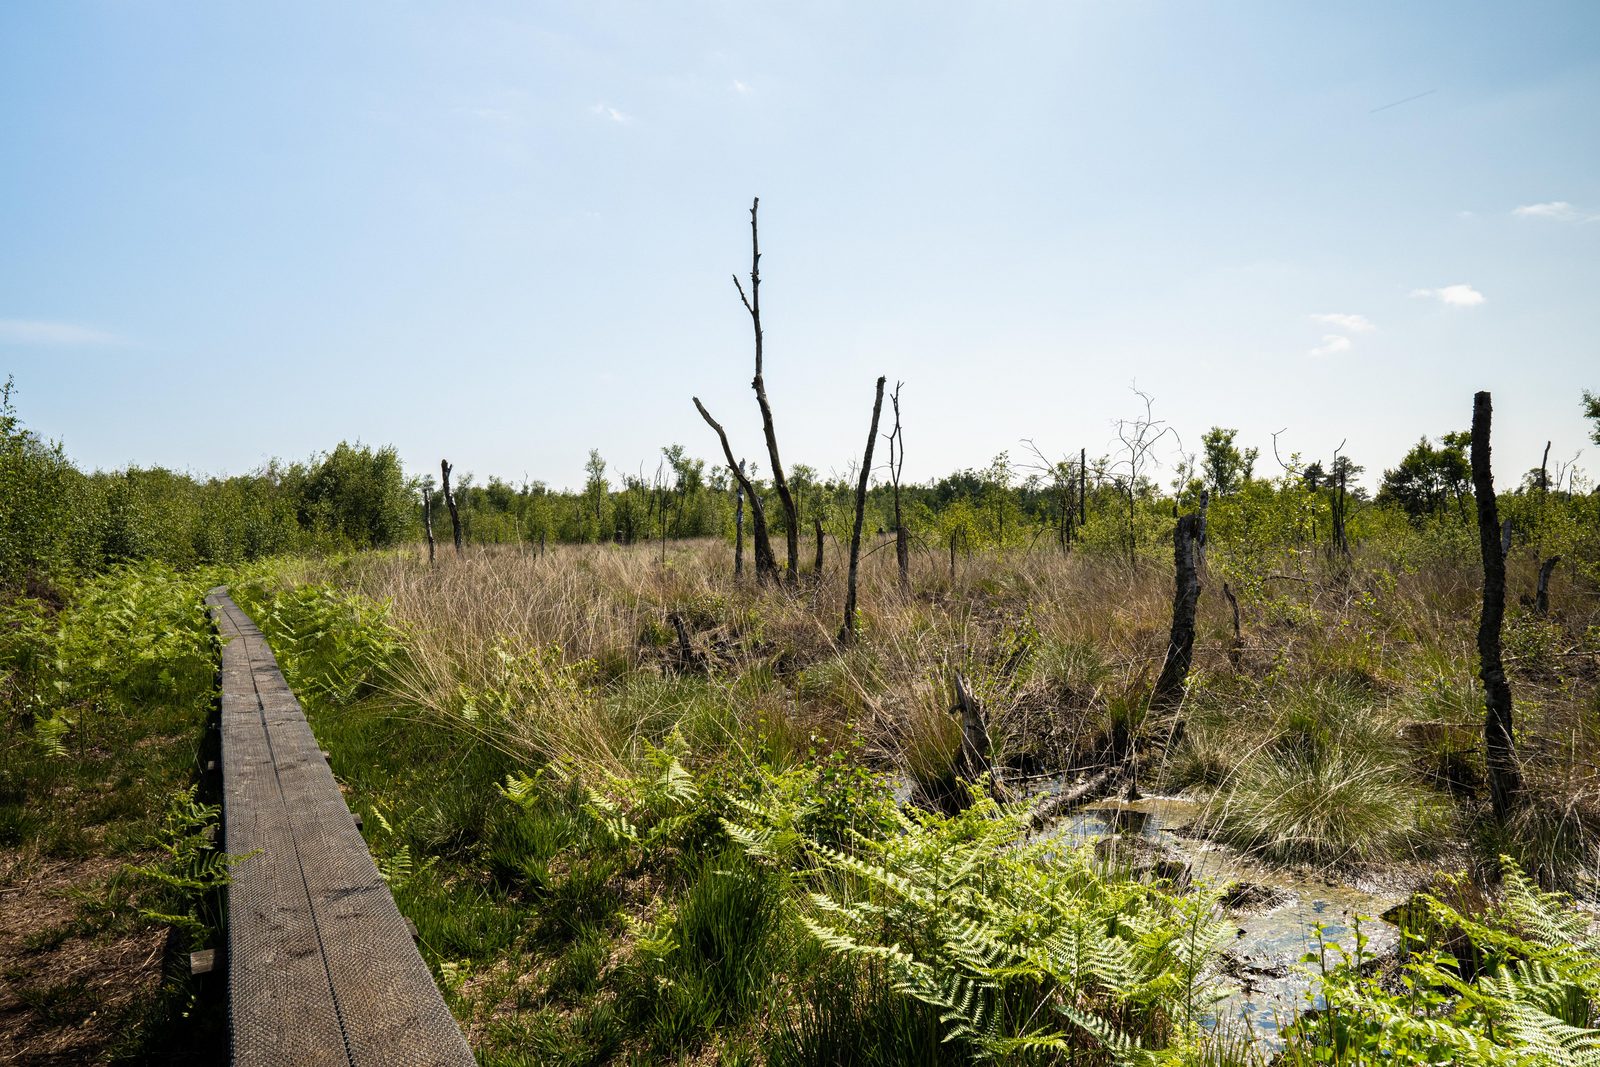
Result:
pixel 504 232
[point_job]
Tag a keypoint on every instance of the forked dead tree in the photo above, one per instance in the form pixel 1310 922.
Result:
pixel 847 632
pixel 1505 779
pixel 450 502
pixel 752 304
pixel 427 519
pixel 766 562
pixel 897 460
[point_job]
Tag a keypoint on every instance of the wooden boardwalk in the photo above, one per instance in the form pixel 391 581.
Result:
pixel 321 966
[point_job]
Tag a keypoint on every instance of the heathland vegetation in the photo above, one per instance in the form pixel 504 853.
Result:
pixel 646 803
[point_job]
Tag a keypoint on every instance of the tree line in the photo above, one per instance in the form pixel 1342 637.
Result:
pixel 56 518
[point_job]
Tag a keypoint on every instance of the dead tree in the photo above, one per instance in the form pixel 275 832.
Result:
pixel 752 304
pixel 1235 650
pixel 427 519
pixel 1544 495
pixel 897 460
pixel 766 562
pixel 847 633
pixel 738 526
pixel 816 521
pixel 1083 482
pixel 974 760
pixel 1505 779
pixel 689 657
pixel 450 502
pixel 1172 684
pixel 1139 437
pixel 1541 595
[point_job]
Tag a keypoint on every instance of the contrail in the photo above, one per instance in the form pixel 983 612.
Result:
pixel 1397 103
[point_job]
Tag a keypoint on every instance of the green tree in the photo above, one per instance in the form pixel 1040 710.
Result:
pixel 1429 476
pixel 359 495
pixel 595 488
pixel 1227 468
pixel 1591 411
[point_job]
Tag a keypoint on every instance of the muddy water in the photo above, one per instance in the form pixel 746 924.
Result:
pixel 1274 921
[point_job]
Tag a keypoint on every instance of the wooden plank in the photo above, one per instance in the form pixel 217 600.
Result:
pixel 366 972
pixel 280 1006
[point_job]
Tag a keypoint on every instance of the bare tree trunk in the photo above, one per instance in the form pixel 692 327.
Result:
pixel 817 568
pixel 1541 596
pixel 847 633
pixel 738 531
pixel 1083 482
pixel 1340 543
pixel 752 304
pixel 1235 649
pixel 427 521
pixel 1171 685
pixel 1505 779
pixel 897 459
pixel 952 555
pixel 541 542
pixel 766 562
pixel 450 502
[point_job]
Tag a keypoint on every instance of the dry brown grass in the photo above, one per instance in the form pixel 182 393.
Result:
pixel 1057 648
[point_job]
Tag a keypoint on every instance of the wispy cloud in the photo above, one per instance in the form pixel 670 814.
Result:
pixel 606 111
pixel 1331 343
pixel 740 87
pixel 1460 296
pixel 36 332
pixel 1555 211
pixel 1353 323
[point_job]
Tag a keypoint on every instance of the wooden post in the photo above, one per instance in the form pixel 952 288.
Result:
pixel 427 520
pixel 450 502
pixel 766 562
pixel 1505 779
pixel 752 304
pixel 847 633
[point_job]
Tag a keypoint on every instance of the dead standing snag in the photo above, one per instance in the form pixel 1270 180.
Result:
pixel 847 632
pixel 752 304
pixel 450 502
pixel 766 562
pixel 1505 778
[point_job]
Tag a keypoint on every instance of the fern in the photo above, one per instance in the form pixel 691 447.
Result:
pixel 1531 1001
pixel 1023 949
